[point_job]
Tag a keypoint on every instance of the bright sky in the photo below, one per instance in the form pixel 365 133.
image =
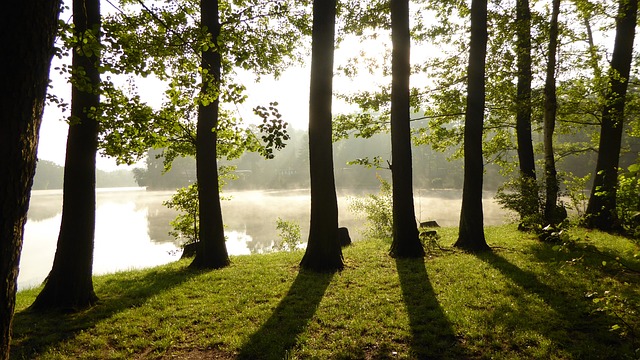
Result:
pixel 291 91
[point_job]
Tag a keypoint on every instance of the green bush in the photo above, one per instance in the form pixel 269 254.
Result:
pixel 289 233
pixel 377 210
pixel 185 225
pixel 525 197
pixel 628 200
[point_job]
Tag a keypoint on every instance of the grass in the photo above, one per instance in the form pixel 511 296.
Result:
pixel 525 299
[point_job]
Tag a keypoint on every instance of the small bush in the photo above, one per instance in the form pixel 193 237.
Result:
pixel 524 196
pixel 289 233
pixel 576 192
pixel 185 225
pixel 377 210
pixel 628 200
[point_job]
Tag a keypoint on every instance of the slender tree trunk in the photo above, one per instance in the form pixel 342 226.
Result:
pixel 406 242
pixel 69 285
pixel 27 28
pixel 601 210
pixel 550 107
pixel 594 57
pixel 212 251
pixel 323 251
pixel 526 158
pixel 471 229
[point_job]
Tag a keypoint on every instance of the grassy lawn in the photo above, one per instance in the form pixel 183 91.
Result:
pixel 525 299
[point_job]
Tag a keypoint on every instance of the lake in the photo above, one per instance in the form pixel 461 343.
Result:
pixel 132 225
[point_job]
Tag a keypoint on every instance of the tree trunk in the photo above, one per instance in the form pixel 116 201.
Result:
pixel 601 210
pixel 323 252
pixel 550 107
pixel 212 252
pixel 471 229
pixel 28 28
pixel 406 242
pixel 594 57
pixel 69 285
pixel 526 158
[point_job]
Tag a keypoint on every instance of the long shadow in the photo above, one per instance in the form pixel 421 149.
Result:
pixel 278 334
pixel 578 330
pixel 35 332
pixel 433 336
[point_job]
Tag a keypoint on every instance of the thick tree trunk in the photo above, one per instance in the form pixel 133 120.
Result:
pixel 406 242
pixel 550 107
pixel 601 210
pixel 526 158
pixel 212 252
pixel 27 28
pixel 323 251
pixel 471 229
pixel 69 285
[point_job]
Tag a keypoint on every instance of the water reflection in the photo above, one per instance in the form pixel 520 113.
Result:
pixel 132 225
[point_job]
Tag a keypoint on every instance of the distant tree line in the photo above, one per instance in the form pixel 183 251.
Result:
pixel 50 175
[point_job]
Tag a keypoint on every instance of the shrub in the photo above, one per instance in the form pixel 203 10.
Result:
pixel 185 225
pixel 628 200
pixel 377 210
pixel 289 233
pixel 524 196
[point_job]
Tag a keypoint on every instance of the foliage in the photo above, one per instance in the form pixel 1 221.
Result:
pixel 628 200
pixel 289 233
pixel 518 195
pixel 377 210
pixel 523 300
pixel 627 311
pixel 576 190
pixel 274 130
pixel 185 225
pixel 163 40
pixel 185 201
pixel 624 310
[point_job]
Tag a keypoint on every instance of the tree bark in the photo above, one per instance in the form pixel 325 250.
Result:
pixel 471 229
pixel 601 210
pixel 212 251
pixel 526 157
pixel 550 108
pixel 28 28
pixel 69 285
pixel 406 242
pixel 323 253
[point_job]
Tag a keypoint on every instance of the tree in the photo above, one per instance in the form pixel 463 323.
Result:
pixel 550 109
pixel 212 250
pixel 69 284
pixel 323 251
pixel 526 158
pixel 198 61
pixel 601 210
pixel 471 229
pixel 28 28
pixel 406 242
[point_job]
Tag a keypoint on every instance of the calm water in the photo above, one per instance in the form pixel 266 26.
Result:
pixel 132 225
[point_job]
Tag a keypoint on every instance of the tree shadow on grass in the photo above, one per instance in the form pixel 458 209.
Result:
pixel 278 335
pixel 433 336
pixel 575 328
pixel 36 332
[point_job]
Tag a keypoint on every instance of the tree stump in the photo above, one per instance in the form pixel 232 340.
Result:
pixel 189 250
pixel 343 237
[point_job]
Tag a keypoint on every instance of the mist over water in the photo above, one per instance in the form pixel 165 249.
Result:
pixel 132 225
